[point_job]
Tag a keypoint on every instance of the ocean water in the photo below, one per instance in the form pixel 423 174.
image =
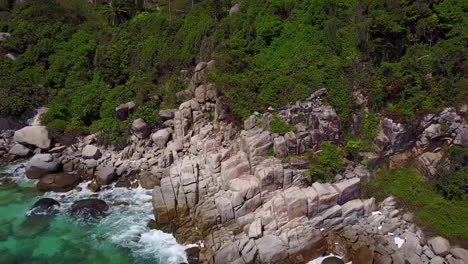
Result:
pixel 120 237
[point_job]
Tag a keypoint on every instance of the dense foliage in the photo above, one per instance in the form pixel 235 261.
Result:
pixel 84 59
pixel 445 217
pixel 452 180
pixel 326 164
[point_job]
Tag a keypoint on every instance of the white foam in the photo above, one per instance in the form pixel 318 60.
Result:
pixel 124 225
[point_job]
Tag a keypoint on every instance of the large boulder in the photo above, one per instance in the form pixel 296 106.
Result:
pixel 167 114
pixel 89 208
pixel 124 110
pixel 161 137
pixel 91 152
pixel 33 135
pixel 140 128
pixel 41 165
pixel 439 245
pixel 105 175
pixel 58 182
pixel 45 206
pixel 271 249
pixel 19 151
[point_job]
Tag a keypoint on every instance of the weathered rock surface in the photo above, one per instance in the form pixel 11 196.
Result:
pixel 124 110
pixel 105 175
pixel 439 245
pixel 58 182
pixel 33 135
pixel 91 152
pixel 45 206
pixel 19 150
pixel 41 165
pixel 140 128
pixel 161 137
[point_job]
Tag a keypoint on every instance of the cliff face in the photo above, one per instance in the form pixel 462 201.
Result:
pixel 231 190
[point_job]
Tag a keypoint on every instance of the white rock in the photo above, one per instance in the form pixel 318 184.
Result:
pixel 33 135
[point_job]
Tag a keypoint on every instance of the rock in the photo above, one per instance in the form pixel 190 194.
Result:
pixel 140 128
pixel 45 206
pixel 59 182
pixel 439 245
pixel 161 137
pixel 318 93
pixel 4 36
pixel 33 135
pixel 124 110
pixel 279 146
pixel 91 152
pixel 20 151
pixel 271 249
pixel 234 10
pixel 105 175
pixel 349 190
pixel 250 122
pixel 255 229
pixel 200 93
pixel 437 260
pixel 12 55
pixel 89 208
pixel 462 138
pixel 148 180
pixel 460 253
pixel 32 226
pixel 166 114
pixel 193 254
pixel 58 149
pixel 41 165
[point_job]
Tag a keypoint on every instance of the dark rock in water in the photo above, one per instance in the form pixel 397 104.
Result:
pixel 45 206
pixel 332 260
pixel 32 226
pixel 58 182
pixel 89 208
pixel 193 255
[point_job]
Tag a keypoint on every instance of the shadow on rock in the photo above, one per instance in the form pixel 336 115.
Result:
pixel 45 206
pixel 89 208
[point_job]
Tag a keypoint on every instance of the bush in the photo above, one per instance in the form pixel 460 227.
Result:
pixel 279 126
pixel 325 165
pixel 444 217
pixel 353 148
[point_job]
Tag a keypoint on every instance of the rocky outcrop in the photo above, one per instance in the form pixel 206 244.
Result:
pixel 59 182
pixel 37 136
pixel 19 150
pixel 41 165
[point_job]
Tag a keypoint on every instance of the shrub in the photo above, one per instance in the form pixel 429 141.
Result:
pixel 353 148
pixel 326 164
pixel 279 126
pixel 444 217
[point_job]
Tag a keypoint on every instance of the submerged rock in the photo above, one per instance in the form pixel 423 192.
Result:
pixel 32 226
pixel 88 208
pixel 44 206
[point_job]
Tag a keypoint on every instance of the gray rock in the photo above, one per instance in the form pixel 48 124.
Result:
pixel 279 146
pixel 105 175
pixel 250 122
pixel 41 165
pixel 460 253
pixel 161 137
pixel 91 152
pixel 124 110
pixel 20 151
pixel 271 249
pixel 439 245
pixel 349 190
pixel 33 135
pixel 437 260
pixel 166 114
pixel 234 10
pixel 140 128
pixel 58 149
pixel 255 229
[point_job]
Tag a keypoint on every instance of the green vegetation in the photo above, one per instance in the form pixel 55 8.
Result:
pixel 83 59
pixel 452 180
pixel 326 164
pixel 353 148
pixel 279 126
pixel 445 217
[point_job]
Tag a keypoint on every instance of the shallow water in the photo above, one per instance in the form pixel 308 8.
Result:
pixel 121 237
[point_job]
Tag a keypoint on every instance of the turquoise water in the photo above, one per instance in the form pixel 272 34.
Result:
pixel 121 237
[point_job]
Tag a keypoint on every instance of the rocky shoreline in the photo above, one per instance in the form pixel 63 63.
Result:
pixel 231 191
